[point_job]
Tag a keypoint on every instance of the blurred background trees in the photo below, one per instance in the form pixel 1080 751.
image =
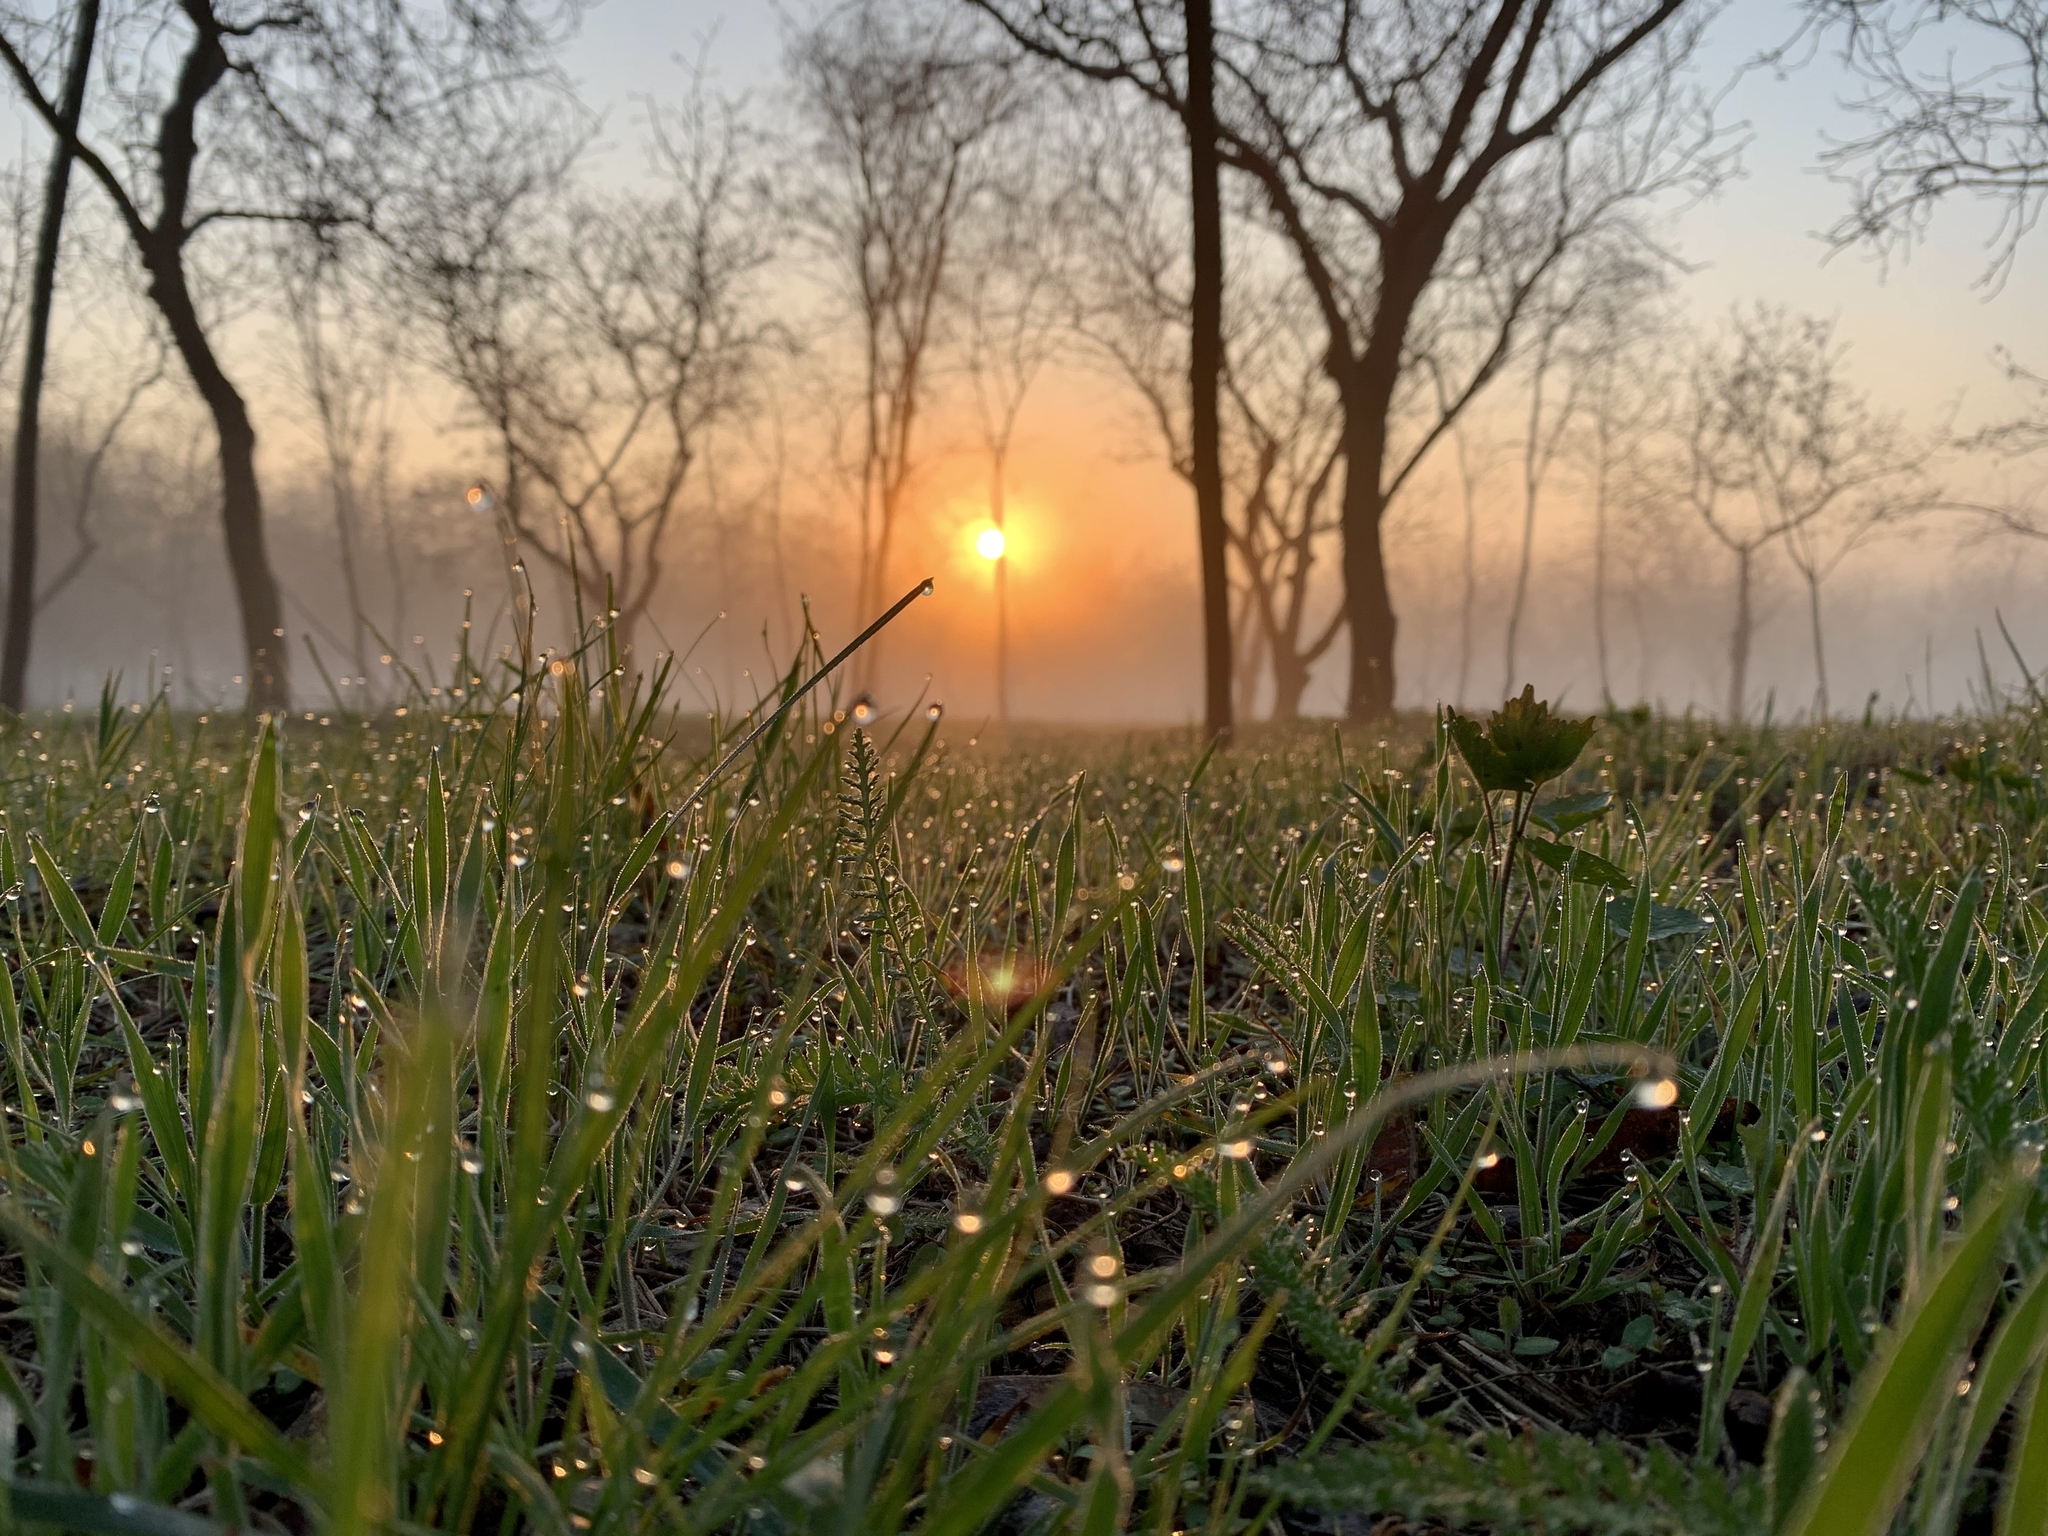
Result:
pixel 1397 298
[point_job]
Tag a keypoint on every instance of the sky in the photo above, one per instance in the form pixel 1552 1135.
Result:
pixel 1924 327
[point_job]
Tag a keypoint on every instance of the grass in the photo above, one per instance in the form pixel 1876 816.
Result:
pixel 411 1126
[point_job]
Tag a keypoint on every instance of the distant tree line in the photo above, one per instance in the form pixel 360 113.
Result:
pixel 1308 237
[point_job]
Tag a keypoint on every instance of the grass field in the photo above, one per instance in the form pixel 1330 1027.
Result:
pixel 411 1124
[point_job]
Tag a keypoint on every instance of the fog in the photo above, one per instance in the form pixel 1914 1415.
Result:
pixel 1112 637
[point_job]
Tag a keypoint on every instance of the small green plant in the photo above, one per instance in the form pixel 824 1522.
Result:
pixel 1522 747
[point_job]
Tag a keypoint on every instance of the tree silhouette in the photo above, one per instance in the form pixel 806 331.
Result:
pixel 1430 168
pixel 317 114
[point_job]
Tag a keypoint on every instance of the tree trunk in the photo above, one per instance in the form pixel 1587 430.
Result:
pixel 1251 640
pixel 1738 643
pixel 876 511
pixel 342 446
pixel 1000 580
pixel 344 491
pixel 1532 489
pixel 1468 602
pixel 867 666
pixel 1290 684
pixel 1365 390
pixel 1820 650
pixel 1368 605
pixel 1205 369
pixel 21 575
pixel 865 586
pixel 241 502
pixel 1600 575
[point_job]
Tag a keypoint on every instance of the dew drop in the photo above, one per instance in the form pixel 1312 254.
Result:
pixel 1656 1093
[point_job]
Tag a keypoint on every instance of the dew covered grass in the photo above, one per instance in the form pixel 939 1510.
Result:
pixel 413 1124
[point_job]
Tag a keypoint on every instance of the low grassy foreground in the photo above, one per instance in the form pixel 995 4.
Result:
pixel 412 1124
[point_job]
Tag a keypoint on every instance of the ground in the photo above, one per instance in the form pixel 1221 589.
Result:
pixel 445 1120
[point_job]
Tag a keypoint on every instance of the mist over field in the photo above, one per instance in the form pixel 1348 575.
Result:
pixel 1115 639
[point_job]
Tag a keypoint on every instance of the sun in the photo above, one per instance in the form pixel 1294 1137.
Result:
pixel 990 544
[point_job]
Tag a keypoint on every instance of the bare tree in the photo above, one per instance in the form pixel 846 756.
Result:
pixel 1280 436
pixel 93 442
pixel 1626 391
pixel 1473 462
pixel 1957 104
pixel 1286 472
pixel 1781 450
pixel 1552 411
pixel 226 113
pixel 902 119
pixel 470 264
pixel 2013 439
pixel 343 371
pixel 1605 280
pixel 600 340
pixel 1430 166
pixel 1167 50
pixel 22 601
pixel 1205 351
pixel 17 272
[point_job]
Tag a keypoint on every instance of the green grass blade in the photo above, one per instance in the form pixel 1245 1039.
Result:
pixel 1876 1452
pixel 2023 1506
pixel 189 1377
pixel 116 1514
